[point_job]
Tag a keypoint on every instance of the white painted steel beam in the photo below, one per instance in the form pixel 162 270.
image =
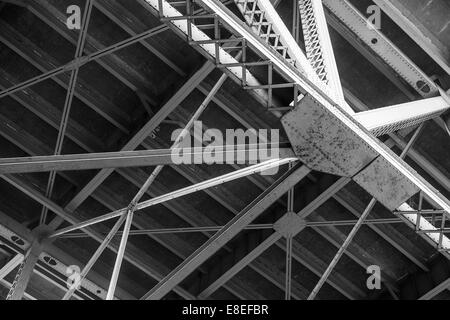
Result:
pixel 319 49
pixel 132 257
pixel 394 118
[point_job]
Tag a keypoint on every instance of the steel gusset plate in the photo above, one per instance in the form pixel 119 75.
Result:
pixel 321 141
pixel 323 144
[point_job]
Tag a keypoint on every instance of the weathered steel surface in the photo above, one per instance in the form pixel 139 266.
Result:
pixel 386 184
pixel 322 142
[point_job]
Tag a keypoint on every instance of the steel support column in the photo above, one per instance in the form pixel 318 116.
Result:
pixel 11 265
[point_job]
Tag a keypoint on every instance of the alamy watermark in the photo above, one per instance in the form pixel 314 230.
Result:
pixel 373 282
pixel 73 21
pixel 74 277
pixel 374 19
pixel 234 146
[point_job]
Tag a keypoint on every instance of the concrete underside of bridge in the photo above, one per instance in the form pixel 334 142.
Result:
pixel 158 83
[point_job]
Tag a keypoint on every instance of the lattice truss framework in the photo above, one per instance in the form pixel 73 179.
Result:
pixel 265 49
pixel 312 39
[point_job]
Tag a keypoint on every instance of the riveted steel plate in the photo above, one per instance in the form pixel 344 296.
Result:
pixel 386 184
pixel 322 142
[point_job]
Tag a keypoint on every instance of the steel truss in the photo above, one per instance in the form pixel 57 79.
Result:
pixel 319 49
pixel 279 54
pixel 382 46
pixel 224 14
pixel 19 242
pixel 68 103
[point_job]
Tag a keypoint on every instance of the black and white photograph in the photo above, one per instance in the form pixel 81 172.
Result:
pixel 225 159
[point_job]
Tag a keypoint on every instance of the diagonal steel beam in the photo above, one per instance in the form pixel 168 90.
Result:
pixel 271 240
pixel 445 285
pixel 264 20
pixel 319 49
pixel 76 63
pixel 96 255
pixel 342 249
pixel 357 226
pixel 410 22
pixel 133 205
pixel 267 165
pixel 216 242
pixel 168 107
pixel 11 265
pixel 11 229
pixel 68 103
pixel 134 178
pixel 345 14
pixel 121 159
pixel 387 120
pixel 133 258
pixel 329 106
pixel 44 62
pixel 25 271
pixel 233 203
